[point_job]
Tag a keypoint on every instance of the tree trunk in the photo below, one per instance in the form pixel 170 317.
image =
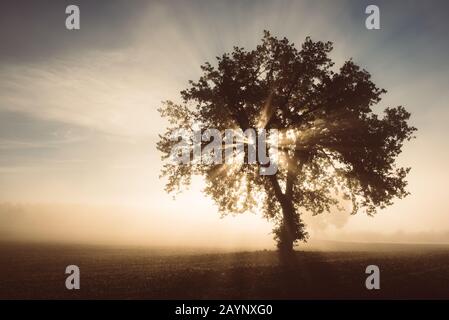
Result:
pixel 287 232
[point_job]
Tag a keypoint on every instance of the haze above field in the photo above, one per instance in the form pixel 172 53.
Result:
pixel 78 119
pixel 124 226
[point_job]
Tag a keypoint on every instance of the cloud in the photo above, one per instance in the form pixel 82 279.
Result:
pixel 89 94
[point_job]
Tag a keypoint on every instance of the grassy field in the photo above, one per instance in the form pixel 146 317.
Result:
pixel 407 271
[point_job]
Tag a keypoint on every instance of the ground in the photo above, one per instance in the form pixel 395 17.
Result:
pixel 407 272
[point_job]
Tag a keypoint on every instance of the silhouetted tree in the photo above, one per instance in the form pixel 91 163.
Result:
pixel 332 147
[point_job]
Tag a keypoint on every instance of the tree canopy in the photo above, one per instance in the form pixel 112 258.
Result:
pixel 332 147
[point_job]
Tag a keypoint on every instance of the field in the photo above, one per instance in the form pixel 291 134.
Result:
pixel 407 272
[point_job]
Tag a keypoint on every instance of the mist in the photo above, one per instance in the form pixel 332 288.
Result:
pixel 122 226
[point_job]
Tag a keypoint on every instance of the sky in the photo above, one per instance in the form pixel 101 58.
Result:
pixel 79 120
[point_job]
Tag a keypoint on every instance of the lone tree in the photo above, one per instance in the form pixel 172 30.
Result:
pixel 332 147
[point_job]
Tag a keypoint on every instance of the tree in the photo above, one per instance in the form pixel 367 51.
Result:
pixel 332 146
